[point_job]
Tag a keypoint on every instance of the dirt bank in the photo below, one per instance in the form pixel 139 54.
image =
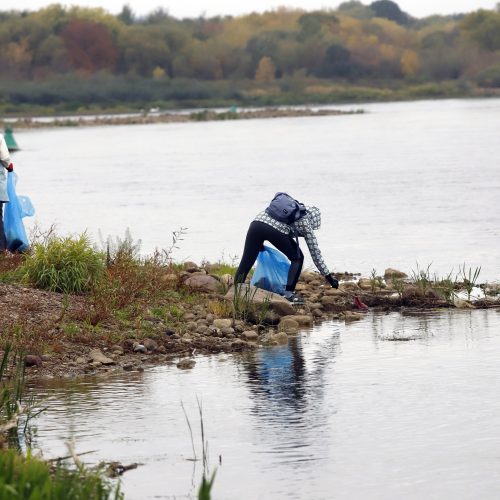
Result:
pixel 59 341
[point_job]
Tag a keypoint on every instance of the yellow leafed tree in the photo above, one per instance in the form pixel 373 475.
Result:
pixel 410 62
pixel 266 70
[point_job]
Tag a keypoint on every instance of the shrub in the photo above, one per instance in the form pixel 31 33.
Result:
pixel 490 77
pixel 67 265
pixel 28 477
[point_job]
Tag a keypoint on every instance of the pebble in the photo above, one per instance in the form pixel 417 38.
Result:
pixel 140 348
pixel 150 344
pixel 98 357
pixel 32 360
pixel 250 335
pixel 186 364
pixel 222 323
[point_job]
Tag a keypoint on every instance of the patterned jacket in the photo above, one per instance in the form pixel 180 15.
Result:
pixel 304 227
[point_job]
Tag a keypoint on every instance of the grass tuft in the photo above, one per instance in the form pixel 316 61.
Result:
pixel 67 265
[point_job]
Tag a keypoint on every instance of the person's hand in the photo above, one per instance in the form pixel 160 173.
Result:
pixel 10 168
pixel 334 282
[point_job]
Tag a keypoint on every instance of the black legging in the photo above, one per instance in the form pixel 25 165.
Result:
pixel 258 232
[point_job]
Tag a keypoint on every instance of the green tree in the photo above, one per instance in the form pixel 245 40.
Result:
pixel 389 10
pixel 484 27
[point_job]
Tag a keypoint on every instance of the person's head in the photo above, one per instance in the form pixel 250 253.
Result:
pixel 315 216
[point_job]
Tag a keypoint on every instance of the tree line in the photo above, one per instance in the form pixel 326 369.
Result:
pixel 353 43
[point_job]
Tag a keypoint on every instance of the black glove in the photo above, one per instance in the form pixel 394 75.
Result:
pixel 334 282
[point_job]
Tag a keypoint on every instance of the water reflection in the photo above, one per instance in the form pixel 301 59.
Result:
pixel 416 418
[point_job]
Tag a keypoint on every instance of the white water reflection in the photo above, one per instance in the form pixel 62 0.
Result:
pixel 341 412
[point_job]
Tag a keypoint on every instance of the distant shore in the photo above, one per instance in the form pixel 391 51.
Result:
pixel 174 117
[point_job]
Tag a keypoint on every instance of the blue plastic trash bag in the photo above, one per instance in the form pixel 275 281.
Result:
pixel 14 211
pixel 271 272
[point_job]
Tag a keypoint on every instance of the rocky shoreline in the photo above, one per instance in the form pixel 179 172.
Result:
pixel 170 117
pixel 218 320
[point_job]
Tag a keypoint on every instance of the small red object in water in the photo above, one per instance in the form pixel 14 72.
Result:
pixel 359 304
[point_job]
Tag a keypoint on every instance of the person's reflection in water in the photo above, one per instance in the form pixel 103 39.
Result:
pixel 284 385
pixel 287 389
pixel 279 375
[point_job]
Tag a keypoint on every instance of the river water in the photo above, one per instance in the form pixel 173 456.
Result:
pixel 342 412
pixel 402 184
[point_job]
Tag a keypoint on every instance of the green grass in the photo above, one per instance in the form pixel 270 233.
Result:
pixel 67 265
pixel 33 479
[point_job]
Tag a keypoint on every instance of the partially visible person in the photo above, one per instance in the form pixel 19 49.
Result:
pixel 267 228
pixel 6 166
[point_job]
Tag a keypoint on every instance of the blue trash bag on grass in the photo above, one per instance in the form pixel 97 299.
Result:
pixel 271 272
pixel 14 211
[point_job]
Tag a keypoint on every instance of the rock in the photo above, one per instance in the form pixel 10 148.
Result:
pixel 186 363
pixel 259 297
pixel 115 349
pixel 315 305
pixel 203 283
pixel 271 318
pixel 308 276
pixel 250 335
pixel 349 285
pixel 98 357
pixel 81 361
pixel 280 338
pixel 239 345
pixel 46 357
pixel 209 318
pixel 390 274
pixel 139 347
pixel 328 301
pixel 365 284
pixel 301 319
pixel 162 349
pixel 317 313
pixel 222 323
pixel 189 317
pixel 227 331
pixel 202 329
pixel 128 367
pixel 191 326
pixel 169 332
pixel 190 267
pixel 412 292
pixel 300 287
pixel 432 294
pixel 351 316
pixel 333 292
pixel 150 344
pixel 227 280
pixel 289 326
pixel 32 360
pixel 462 304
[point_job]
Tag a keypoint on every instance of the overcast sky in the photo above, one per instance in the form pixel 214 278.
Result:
pixel 195 8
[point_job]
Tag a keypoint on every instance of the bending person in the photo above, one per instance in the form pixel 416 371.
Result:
pixel 266 228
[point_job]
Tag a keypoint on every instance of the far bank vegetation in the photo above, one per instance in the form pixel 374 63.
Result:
pixel 80 59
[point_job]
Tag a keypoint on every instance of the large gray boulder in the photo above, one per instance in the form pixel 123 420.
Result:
pixel 259 298
pixel 203 283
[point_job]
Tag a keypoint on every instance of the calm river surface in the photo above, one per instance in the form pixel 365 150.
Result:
pixel 403 183
pixel 342 412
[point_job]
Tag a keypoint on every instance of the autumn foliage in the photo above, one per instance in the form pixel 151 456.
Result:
pixel 356 42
